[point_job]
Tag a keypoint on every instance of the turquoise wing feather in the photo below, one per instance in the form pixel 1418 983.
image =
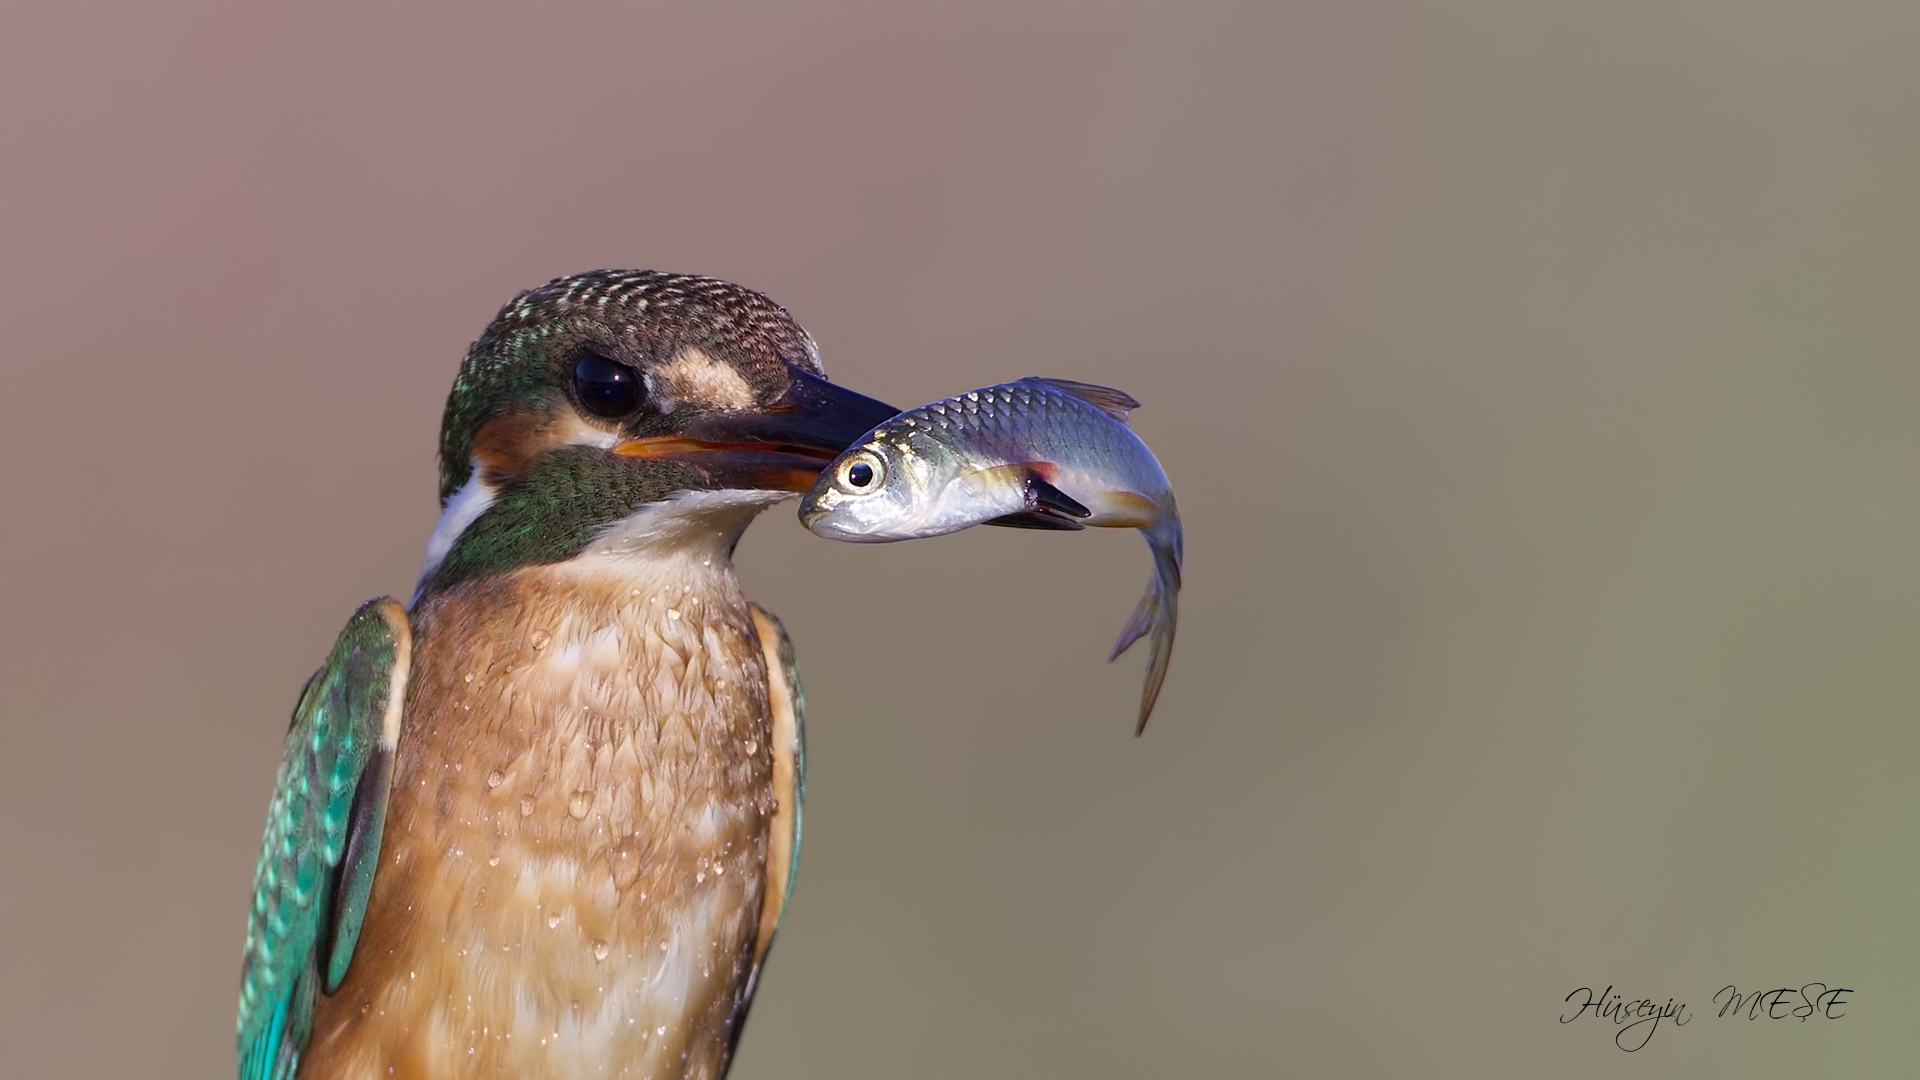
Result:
pixel 322 840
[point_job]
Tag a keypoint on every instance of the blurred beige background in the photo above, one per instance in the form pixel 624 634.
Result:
pixel 1540 384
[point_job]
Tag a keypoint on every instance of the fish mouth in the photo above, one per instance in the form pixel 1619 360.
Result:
pixel 827 515
pixel 782 446
pixel 822 523
pixel 812 514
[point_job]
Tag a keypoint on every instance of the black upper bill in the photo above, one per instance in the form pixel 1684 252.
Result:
pixel 814 417
pixel 779 448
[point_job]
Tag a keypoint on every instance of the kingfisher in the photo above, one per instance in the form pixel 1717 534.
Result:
pixel 542 820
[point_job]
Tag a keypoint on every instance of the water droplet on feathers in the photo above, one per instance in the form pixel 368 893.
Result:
pixel 600 950
pixel 579 803
pixel 495 778
pixel 539 639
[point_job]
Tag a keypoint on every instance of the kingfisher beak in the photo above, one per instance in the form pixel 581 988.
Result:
pixel 781 447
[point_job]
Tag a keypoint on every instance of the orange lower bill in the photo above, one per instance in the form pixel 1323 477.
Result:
pixel 761 466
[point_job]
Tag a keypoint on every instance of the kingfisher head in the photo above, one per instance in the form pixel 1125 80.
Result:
pixel 629 410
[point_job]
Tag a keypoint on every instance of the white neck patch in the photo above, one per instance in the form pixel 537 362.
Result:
pixel 462 508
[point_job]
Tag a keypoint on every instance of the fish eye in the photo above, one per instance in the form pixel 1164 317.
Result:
pixel 862 473
pixel 606 388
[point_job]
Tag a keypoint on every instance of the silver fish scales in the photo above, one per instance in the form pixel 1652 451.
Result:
pixel 1033 453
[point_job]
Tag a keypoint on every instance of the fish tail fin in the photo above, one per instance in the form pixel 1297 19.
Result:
pixel 1157 613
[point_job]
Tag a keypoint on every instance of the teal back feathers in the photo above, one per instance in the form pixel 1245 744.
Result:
pixel 322 840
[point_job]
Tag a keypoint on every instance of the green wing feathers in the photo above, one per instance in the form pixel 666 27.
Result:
pixel 322 839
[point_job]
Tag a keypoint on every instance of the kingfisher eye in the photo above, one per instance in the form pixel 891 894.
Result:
pixel 606 388
pixel 862 473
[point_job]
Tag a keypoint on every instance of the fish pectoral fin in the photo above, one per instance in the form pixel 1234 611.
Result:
pixel 1047 507
pixel 1043 497
pixel 1030 519
pixel 1115 403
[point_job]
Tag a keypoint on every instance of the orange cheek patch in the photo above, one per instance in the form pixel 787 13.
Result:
pixel 507 445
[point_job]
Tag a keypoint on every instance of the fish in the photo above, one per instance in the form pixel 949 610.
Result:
pixel 1035 453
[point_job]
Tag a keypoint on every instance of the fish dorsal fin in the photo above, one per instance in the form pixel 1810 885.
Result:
pixel 1115 403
